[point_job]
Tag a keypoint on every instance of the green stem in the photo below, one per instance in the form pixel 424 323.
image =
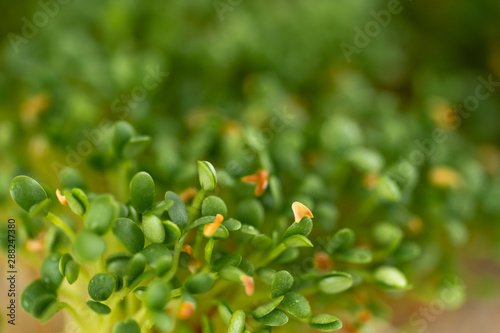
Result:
pixel 177 254
pixel 64 305
pixel 64 227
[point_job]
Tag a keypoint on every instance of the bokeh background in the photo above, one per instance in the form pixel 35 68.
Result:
pixel 224 71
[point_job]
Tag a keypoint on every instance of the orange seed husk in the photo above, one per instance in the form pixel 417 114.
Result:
pixel 300 210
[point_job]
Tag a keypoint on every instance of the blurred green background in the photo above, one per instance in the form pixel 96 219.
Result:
pixel 227 69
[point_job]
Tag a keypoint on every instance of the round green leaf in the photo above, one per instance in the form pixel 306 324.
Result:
pixel 297 241
pixel 282 283
pixel 237 322
pixel 72 271
pixel 45 307
pixel 154 252
pixel 304 227
pixel 163 322
pixel 102 211
pixel 213 205
pixel 387 235
pixel 153 229
pixel 232 224
pixel 129 234
pixel 207 176
pixel 354 256
pixel 127 326
pixel 250 212
pixel 325 322
pixel 50 270
pixel 335 283
pixel 390 277
pixel 99 308
pixel 266 308
pixel 157 295
pixel 172 232
pixel 296 304
pixel 142 192
pixel 101 286
pixel 32 292
pixel 88 246
pixel 135 267
pixel 41 209
pixel 27 192
pixel 199 283
pixel 227 260
pixel 277 317
pixel 77 201
pixel 177 212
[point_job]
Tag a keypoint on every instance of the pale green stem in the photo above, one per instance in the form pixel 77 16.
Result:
pixel 64 227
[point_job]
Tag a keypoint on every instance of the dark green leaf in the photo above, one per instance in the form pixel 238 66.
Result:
pixel 129 234
pixel 142 191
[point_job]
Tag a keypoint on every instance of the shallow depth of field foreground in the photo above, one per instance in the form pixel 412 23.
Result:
pixel 250 166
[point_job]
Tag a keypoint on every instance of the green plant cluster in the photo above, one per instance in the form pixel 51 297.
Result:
pixel 148 263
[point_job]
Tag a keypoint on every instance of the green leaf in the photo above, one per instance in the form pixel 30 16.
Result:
pixel 407 251
pixel 237 322
pixel 220 233
pixel 135 146
pixel 127 326
pixel 224 311
pixel 177 212
pixel 101 286
pixel 336 282
pixel 41 209
pixel 266 274
pixel 390 277
pixel 304 227
pixel 344 238
pixel 325 322
pixel 99 308
pixel 88 246
pixel 250 212
pixel 50 270
pixel 118 262
pixel 387 190
pixel 103 210
pixel 45 307
pixel 172 232
pixel 122 133
pixel 32 292
pixel 277 317
pixel 199 283
pixel 249 230
pixel 231 273
pixel 142 191
pixel 261 242
pixel 212 206
pixel 153 229
pixel 232 224
pixel 296 304
pixel 207 176
pixel 163 322
pixel 27 192
pixel 387 235
pixel 227 260
pixel 366 160
pixel 77 201
pixel 157 295
pixel 72 271
pixel 266 308
pixel 297 241
pixel 282 283
pixel 135 267
pixel 129 234
pixel 159 208
pixel 154 252
pixel 354 256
